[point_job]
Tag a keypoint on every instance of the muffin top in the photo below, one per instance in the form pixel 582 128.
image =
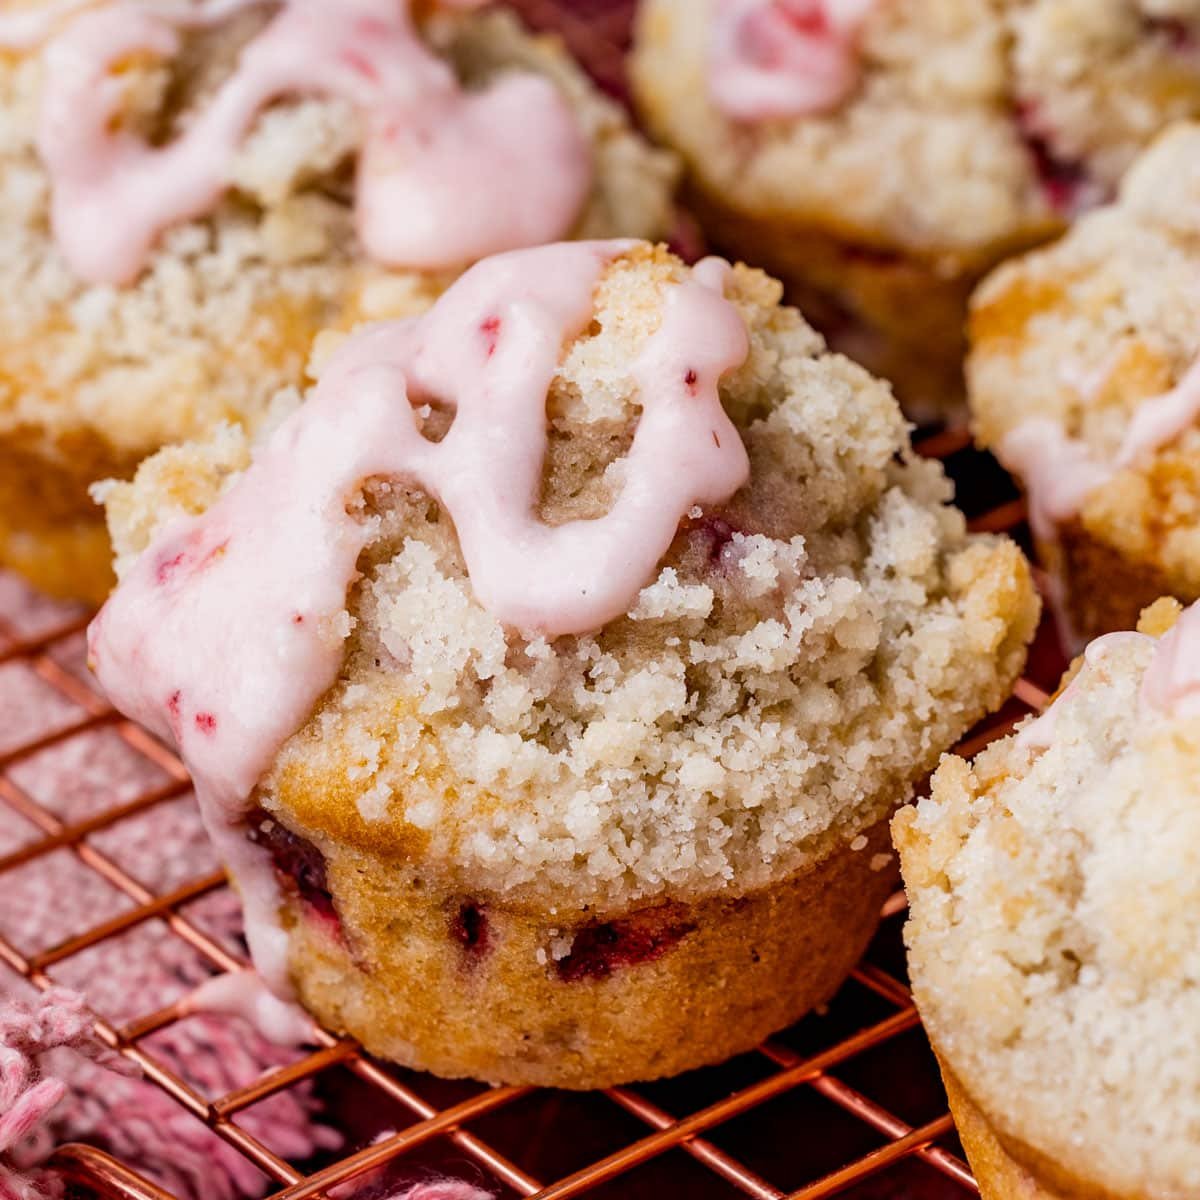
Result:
pixel 947 129
pixel 1054 937
pixel 1082 374
pixel 656 599
pixel 192 190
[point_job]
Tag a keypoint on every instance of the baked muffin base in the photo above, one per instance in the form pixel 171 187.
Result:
pixel 458 985
pixel 51 531
pixel 68 562
pixel 1100 590
pixel 1001 1176
pixel 901 317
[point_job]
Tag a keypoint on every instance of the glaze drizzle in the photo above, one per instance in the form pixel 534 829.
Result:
pixel 784 58
pixel 226 631
pixel 1060 472
pixel 445 176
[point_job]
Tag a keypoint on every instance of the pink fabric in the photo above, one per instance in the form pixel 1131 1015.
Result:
pixel 56 1084
pixel 134 1119
pixel 30 1087
pixel 373 1186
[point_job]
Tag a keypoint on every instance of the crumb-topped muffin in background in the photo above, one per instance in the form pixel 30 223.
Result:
pixel 563 757
pixel 1084 381
pixel 1054 893
pixel 190 192
pixel 881 155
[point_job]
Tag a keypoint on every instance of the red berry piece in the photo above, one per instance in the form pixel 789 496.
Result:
pixel 186 558
pixel 1067 185
pixel 470 928
pixel 713 536
pixel 168 566
pixel 299 865
pixel 491 334
pixel 360 64
pixel 1179 35
pixel 806 16
pixel 599 949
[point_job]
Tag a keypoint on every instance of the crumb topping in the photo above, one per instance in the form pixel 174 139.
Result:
pixel 972 127
pixel 226 310
pixel 1097 336
pixel 803 654
pixel 1054 891
pixel 429 154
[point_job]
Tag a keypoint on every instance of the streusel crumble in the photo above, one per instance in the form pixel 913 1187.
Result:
pixel 191 191
pixel 583 764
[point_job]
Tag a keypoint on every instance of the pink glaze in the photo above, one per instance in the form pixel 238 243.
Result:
pixel 1171 684
pixel 784 58
pixel 1160 420
pixel 28 28
pixel 445 176
pixel 244 994
pixel 1059 472
pixel 1039 735
pixel 235 616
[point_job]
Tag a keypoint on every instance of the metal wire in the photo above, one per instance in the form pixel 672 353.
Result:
pixel 767 1134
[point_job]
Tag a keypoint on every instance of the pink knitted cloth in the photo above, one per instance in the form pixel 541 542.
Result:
pixel 57 1083
pixel 58 1020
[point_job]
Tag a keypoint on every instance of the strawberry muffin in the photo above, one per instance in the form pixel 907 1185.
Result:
pixel 550 673
pixel 1054 890
pixel 881 155
pixel 1084 381
pixel 191 191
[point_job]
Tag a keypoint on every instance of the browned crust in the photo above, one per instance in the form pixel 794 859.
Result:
pixel 1007 1172
pixel 999 319
pixel 51 531
pixel 1103 590
pixel 748 966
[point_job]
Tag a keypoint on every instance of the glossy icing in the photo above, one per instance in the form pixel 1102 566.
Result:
pixel 245 994
pixel 1060 472
pixel 227 630
pixel 784 58
pixel 25 29
pixel 1161 419
pixel 1039 734
pixel 445 176
pixel 1171 685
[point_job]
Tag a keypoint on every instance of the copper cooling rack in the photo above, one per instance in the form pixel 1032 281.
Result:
pixel 847 1103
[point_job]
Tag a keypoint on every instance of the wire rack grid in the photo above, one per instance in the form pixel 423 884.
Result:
pixel 847 1103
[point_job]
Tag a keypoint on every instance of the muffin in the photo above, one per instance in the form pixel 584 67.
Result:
pixel 1054 892
pixel 549 675
pixel 191 192
pixel 881 157
pixel 1082 380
